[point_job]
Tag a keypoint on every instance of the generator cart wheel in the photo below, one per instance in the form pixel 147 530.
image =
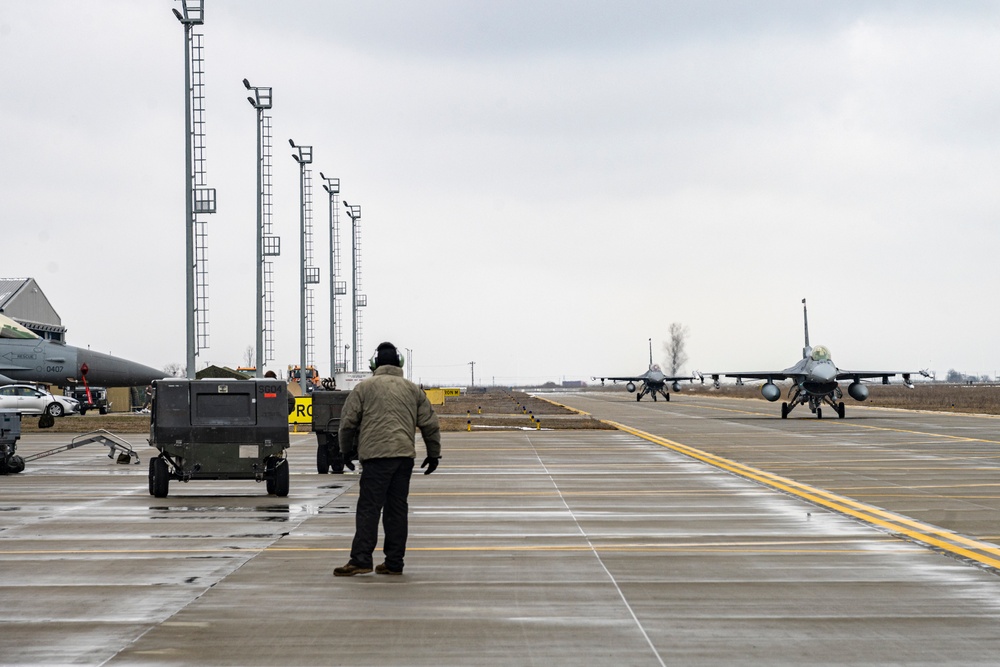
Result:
pixel 159 478
pixel 276 478
pixel 322 460
pixel 15 464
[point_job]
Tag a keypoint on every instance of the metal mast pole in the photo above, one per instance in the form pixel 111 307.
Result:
pixel 261 100
pixel 197 197
pixel 356 299
pixel 188 199
pixel 337 287
pixel 303 157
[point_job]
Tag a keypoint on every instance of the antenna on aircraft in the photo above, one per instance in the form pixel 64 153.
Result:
pixel 805 319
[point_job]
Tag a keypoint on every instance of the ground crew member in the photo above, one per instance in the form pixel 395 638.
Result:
pixel 378 426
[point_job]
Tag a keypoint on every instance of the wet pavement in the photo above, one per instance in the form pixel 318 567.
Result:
pixel 530 548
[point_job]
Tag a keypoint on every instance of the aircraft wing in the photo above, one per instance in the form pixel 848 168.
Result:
pixel 753 375
pixel 885 375
pixel 643 378
pixel 631 378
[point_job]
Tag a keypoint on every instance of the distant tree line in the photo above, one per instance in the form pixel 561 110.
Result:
pixel 962 378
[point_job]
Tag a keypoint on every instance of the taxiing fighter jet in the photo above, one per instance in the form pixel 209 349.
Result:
pixel 653 380
pixel 814 379
pixel 26 357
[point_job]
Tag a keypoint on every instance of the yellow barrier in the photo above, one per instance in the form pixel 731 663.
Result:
pixel 303 412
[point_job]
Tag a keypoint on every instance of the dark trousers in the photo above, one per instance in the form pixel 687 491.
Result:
pixel 385 484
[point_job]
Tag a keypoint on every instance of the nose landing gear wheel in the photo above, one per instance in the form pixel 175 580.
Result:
pixel 784 410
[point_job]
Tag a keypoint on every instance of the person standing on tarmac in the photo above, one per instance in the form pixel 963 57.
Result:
pixel 378 426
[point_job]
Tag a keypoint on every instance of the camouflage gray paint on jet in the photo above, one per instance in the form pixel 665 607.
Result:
pixel 654 380
pixel 815 379
pixel 26 357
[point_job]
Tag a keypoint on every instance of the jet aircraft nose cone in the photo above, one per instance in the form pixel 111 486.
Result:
pixel 823 372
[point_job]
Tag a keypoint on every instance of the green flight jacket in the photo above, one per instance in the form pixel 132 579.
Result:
pixel 381 416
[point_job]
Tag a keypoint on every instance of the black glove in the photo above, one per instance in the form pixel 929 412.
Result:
pixel 431 463
pixel 349 458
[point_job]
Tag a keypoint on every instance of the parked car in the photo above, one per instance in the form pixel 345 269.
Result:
pixel 98 398
pixel 30 400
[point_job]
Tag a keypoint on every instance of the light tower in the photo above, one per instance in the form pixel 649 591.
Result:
pixel 268 245
pixel 309 275
pixel 358 301
pixel 197 197
pixel 337 287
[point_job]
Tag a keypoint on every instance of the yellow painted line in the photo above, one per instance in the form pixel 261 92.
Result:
pixel 918 531
pixel 959 438
pixel 565 407
pixel 848 545
pixel 557 493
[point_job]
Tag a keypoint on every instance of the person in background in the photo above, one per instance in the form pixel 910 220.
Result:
pixel 378 426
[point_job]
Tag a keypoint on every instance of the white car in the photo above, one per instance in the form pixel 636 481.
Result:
pixel 30 400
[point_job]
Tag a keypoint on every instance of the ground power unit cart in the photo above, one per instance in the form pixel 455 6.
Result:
pixel 219 429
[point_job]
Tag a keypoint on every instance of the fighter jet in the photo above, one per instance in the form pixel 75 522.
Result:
pixel 26 357
pixel 814 380
pixel 653 380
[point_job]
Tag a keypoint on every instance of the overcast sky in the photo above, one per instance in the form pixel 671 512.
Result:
pixel 544 185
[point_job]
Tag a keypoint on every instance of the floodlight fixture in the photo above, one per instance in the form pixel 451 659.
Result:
pixel 193 12
pixel 304 154
pixel 261 98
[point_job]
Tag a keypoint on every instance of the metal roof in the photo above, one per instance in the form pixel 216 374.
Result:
pixel 9 287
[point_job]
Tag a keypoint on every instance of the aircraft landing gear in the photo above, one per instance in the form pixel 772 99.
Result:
pixel 784 410
pixel 841 410
pixel 819 413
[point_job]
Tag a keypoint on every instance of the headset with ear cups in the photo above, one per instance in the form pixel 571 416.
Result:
pixel 399 359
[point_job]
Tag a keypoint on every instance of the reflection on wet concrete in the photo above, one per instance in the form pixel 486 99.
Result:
pixel 553 548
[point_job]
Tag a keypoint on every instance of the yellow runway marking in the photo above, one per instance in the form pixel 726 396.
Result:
pixel 838 546
pixel 947 541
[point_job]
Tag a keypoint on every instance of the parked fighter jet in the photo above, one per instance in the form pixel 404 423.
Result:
pixel 814 380
pixel 653 380
pixel 26 357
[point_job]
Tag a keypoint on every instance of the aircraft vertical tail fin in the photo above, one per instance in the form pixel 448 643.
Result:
pixel 805 319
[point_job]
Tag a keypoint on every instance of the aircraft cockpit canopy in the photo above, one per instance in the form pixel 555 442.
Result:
pixel 820 353
pixel 11 329
pixel 655 367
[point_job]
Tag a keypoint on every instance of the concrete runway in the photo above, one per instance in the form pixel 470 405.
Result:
pixel 533 548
